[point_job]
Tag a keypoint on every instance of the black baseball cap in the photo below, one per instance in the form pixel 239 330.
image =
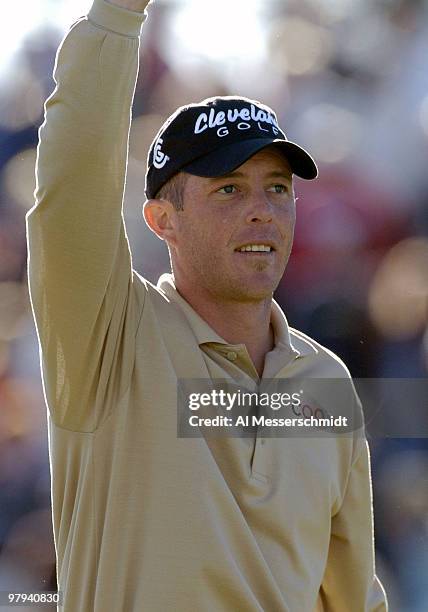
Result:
pixel 214 137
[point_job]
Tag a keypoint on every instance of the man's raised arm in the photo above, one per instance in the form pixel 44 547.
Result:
pixel 131 5
pixel 79 267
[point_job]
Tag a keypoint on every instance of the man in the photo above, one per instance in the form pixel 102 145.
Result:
pixel 145 520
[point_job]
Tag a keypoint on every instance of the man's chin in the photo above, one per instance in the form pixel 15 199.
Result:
pixel 253 288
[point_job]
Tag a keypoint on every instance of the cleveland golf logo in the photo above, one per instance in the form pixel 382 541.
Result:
pixel 238 117
pixel 159 157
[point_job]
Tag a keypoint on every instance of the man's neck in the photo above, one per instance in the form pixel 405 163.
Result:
pixel 237 322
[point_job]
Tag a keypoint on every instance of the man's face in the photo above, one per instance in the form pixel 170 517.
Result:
pixel 250 207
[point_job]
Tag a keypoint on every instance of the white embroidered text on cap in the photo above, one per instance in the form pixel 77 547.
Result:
pixel 159 157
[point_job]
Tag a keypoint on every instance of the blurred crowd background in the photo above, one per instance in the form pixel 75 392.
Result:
pixel 349 81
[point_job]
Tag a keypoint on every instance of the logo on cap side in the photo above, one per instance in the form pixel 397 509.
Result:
pixel 159 157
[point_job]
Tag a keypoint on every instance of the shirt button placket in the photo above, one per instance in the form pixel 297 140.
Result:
pixel 260 467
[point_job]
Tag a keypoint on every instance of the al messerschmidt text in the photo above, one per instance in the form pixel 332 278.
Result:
pixel 253 420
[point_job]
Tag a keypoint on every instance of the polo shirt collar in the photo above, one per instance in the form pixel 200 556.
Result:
pixel 205 334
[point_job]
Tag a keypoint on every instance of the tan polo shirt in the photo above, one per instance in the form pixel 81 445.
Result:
pixel 145 520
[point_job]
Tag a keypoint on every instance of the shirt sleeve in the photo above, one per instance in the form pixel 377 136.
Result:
pixel 350 582
pixel 80 274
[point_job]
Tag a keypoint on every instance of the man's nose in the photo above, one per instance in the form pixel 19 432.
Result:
pixel 259 208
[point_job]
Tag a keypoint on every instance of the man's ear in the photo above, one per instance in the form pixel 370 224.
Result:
pixel 160 216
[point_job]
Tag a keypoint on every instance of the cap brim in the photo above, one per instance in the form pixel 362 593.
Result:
pixel 228 158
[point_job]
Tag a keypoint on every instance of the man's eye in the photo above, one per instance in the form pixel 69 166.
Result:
pixel 279 188
pixel 227 189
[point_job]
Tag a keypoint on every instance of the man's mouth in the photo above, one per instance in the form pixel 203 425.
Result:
pixel 255 248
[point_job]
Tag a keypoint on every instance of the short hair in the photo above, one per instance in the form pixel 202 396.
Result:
pixel 173 190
